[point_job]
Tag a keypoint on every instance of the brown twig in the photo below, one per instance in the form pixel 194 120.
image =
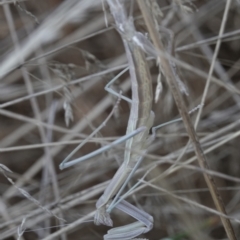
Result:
pixel 169 73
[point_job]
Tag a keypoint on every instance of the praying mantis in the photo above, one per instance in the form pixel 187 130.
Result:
pixel 137 135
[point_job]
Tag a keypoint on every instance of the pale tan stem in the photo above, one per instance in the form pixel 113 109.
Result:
pixel 169 72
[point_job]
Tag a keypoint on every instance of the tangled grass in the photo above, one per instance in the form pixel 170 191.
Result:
pixel 56 58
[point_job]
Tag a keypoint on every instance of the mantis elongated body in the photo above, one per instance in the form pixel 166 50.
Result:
pixel 137 135
pixel 141 116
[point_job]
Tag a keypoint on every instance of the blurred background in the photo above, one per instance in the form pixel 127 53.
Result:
pixel 56 58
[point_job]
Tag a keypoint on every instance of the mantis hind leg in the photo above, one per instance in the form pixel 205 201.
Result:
pixel 143 225
pixel 66 164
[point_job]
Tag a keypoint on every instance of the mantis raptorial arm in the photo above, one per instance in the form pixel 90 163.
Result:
pixel 108 89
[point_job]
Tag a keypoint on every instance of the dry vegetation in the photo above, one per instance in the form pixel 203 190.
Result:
pixel 56 58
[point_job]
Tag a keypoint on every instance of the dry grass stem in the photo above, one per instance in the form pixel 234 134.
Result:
pixel 171 78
